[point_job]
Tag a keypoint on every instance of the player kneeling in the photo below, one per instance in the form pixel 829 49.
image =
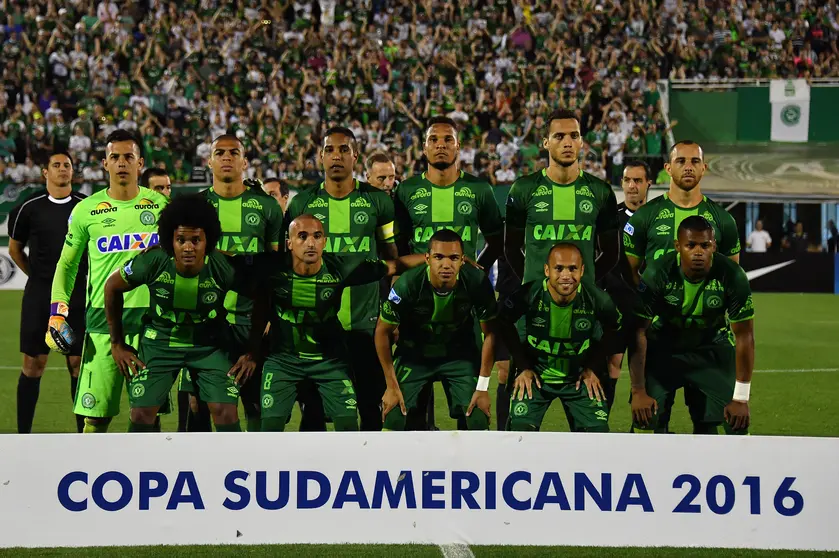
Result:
pixel 433 307
pixel 187 280
pixel 561 314
pixel 702 337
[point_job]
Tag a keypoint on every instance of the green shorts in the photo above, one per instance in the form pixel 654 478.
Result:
pixel 100 381
pixel 584 414
pixel 281 375
pixel 459 379
pixel 207 365
pixel 707 374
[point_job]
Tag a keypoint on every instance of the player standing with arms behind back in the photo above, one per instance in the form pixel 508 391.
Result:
pixel 358 220
pixel 251 222
pixel 40 223
pixel 560 204
pixel 113 225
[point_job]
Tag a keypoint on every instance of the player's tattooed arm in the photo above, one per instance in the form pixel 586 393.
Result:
pixel 125 357
pixel 383 339
pixel 643 406
pixel 737 411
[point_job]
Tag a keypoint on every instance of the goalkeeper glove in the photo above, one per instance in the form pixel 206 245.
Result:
pixel 60 335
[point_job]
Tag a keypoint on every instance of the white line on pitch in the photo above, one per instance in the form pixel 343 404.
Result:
pixel 456 551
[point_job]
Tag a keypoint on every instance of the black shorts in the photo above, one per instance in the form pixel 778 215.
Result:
pixel 505 284
pixel 626 300
pixel 35 315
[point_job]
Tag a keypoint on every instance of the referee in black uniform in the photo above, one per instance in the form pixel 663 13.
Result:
pixel 40 223
pixel 635 183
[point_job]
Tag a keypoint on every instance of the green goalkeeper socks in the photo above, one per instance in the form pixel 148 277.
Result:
pixel 254 424
pixel 235 427
pixel 134 427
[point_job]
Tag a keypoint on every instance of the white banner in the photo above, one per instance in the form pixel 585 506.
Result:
pixel 11 277
pixel 420 487
pixel 790 99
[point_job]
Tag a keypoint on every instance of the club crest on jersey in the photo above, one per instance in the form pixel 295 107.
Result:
pixel 326 294
pixel 629 229
pixel 360 202
pixel 126 242
pixel 252 219
pixel 585 191
pixel 360 218
pixel 464 208
pixel 209 297
pixel 542 191
pixel 252 204
pixel 147 218
pixel 421 193
pixel 665 214
pixel 465 192
pixel 393 297
pixel 582 325
pixel 586 206
pixel 103 207
pixel 713 301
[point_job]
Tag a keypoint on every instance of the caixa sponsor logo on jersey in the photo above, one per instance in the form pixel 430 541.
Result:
pixel 126 242
pixel 103 207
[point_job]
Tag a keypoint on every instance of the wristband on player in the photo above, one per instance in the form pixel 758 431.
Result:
pixel 59 309
pixel 741 391
pixel 483 383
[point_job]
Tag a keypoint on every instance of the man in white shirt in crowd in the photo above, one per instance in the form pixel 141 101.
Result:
pixel 759 240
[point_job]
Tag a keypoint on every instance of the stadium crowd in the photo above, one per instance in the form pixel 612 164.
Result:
pixel 278 74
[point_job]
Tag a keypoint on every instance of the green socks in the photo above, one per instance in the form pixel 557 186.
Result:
pixel 134 427
pixel 235 427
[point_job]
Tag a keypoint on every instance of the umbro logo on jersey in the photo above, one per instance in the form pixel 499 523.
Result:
pixel 162 293
pixel 539 322
pixel 465 192
pixel 542 206
pixel 665 214
pixel 360 202
pixel 585 191
pixel 421 193
pixel 542 191
pixel 420 209
pixel 109 222
pixel 663 229
pixel 320 216
pixel 672 299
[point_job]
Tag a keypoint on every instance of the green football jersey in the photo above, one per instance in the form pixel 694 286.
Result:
pixel 354 224
pixel 112 231
pixel 558 337
pixel 549 213
pixel 250 223
pixel 465 207
pixel 652 229
pixel 305 322
pixel 432 325
pixel 182 309
pixel 687 315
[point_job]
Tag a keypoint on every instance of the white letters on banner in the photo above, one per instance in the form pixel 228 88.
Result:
pixel 434 488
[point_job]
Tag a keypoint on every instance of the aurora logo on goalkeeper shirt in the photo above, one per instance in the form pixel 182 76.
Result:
pixel 146 203
pixel 126 242
pixel 103 207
